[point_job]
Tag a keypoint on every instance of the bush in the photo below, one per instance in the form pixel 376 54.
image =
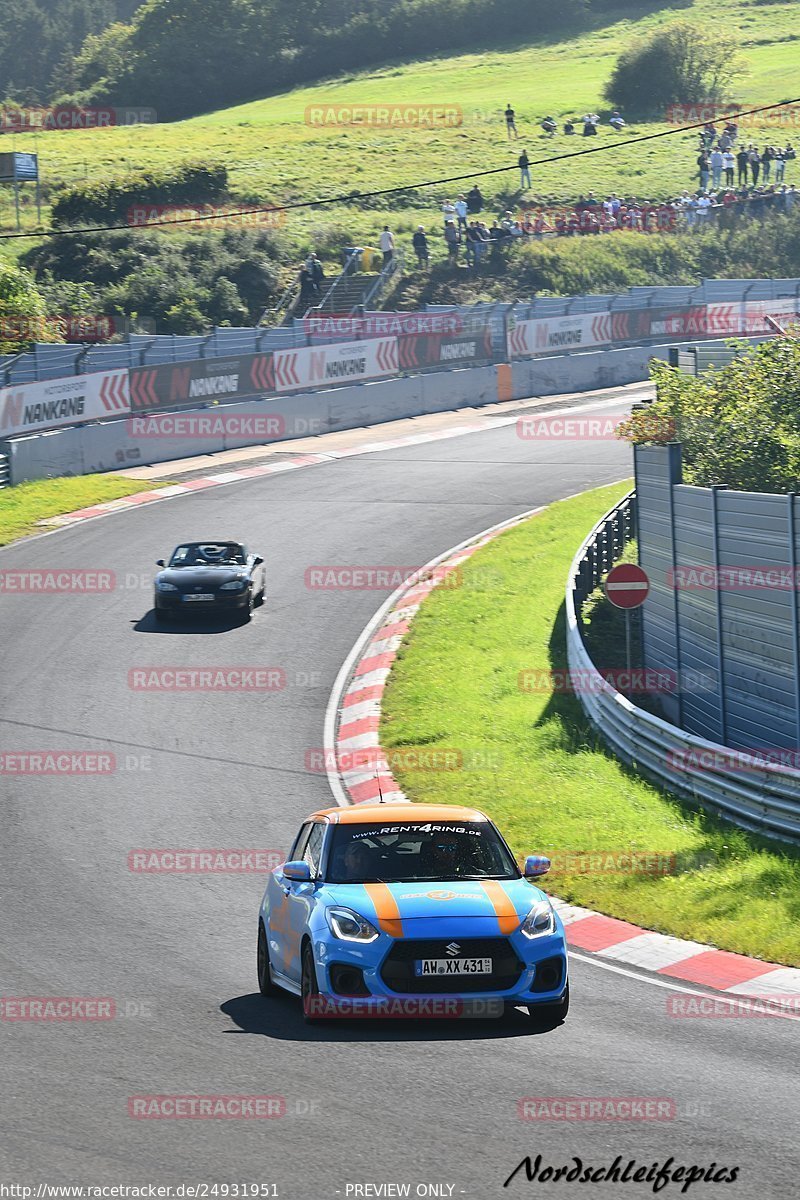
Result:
pixel 108 201
pixel 682 63
pixel 179 282
pixel 739 425
pixel 23 311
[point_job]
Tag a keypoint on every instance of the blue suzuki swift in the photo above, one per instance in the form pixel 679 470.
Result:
pixel 387 903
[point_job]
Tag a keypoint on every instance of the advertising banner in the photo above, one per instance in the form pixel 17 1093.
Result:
pixel 202 381
pixel 748 316
pixel 342 362
pixel 443 350
pixel 31 407
pixel 554 335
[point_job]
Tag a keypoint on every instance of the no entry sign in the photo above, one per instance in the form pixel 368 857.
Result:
pixel 627 585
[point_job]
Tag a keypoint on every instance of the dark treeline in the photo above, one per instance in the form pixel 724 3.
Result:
pixel 40 38
pixel 183 57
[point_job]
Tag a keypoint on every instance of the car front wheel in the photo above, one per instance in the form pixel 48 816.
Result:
pixel 265 984
pixel 308 986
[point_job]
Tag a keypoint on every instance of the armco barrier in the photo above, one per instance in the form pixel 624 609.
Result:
pixel 749 791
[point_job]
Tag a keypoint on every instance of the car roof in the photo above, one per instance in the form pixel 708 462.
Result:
pixel 391 814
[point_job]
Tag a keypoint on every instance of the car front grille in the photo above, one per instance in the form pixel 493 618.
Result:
pixel 397 971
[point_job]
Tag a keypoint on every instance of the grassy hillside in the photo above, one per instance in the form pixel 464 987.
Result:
pixel 273 155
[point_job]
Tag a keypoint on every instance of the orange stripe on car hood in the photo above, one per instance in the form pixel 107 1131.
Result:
pixel 386 909
pixel 504 910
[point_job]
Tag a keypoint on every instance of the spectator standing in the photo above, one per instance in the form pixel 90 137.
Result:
pixel 524 170
pixel 511 125
pixel 767 156
pixel 754 158
pixel 420 243
pixel 448 211
pixel 616 122
pixel 742 162
pixel 474 199
pixel 451 240
pixel 386 244
pixel 461 213
pixel 569 128
pixel 717 160
pixel 789 153
pixel 780 164
pixel 728 165
pixel 704 169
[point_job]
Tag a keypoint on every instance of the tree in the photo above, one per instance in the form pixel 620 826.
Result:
pixel 680 64
pixel 23 313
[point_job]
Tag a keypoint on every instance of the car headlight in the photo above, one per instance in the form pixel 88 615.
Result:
pixel 163 586
pixel 540 920
pixel 350 926
pixel 235 585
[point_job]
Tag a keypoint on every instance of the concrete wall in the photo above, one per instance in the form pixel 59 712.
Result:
pixel 114 445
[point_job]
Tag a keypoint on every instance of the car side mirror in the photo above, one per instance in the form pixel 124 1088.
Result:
pixel 160 562
pixel 535 866
pixel 298 872
pixel 258 560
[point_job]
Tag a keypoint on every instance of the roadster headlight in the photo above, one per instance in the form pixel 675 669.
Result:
pixel 350 926
pixel 540 920
pixel 163 586
pixel 235 585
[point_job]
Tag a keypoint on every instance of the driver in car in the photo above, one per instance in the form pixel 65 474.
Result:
pixel 356 861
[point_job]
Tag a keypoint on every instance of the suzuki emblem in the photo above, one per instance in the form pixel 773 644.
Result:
pixel 453 948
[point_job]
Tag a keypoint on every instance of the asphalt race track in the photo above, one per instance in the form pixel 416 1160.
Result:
pixel 366 1104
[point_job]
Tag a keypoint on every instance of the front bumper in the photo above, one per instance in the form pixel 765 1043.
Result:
pixel 526 971
pixel 222 602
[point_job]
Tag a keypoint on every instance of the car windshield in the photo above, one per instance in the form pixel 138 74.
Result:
pixel 411 853
pixel 209 554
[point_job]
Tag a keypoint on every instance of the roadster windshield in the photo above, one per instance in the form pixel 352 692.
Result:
pixel 426 852
pixel 209 554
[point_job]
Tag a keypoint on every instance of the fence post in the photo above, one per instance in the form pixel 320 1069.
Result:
pixel 790 499
pixel 723 720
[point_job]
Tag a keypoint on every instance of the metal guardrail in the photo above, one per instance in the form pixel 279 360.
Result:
pixel 5 472
pixel 749 791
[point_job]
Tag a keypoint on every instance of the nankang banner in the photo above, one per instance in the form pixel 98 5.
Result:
pixel 443 350
pixel 32 407
pixel 203 381
pixel 555 335
pixel 343 362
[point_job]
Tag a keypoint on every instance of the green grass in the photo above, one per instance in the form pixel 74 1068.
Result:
pixel 23 506
pixel 533 763
pixel 274 156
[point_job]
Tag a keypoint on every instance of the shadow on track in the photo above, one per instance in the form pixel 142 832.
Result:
pixel 196 624
pixel 281 1018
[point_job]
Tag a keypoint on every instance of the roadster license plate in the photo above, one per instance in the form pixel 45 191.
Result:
pixel 199 596
pixel 453 966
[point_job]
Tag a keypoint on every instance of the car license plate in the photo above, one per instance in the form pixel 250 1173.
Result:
pixel 199 596
pixel 453 966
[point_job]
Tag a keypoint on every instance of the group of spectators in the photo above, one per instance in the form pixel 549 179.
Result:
pixel 718 155
pixel 589 123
